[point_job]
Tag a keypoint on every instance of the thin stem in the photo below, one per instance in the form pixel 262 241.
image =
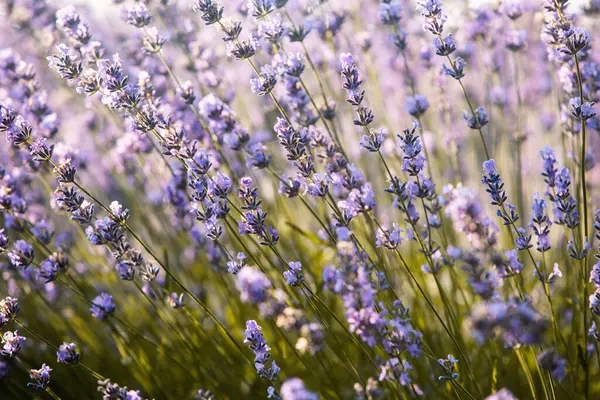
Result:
pixel 584 205
pixel 528 376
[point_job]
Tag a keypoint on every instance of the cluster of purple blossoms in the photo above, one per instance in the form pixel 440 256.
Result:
pixel 11 344
pixel 569 49
pixel 9 307
pixel 294 389
pixel 102 306
pixel 68 354
pixel 550 361
pixel 373 322
pixel 449 367
pixel 262 352
pixel 162 131
pixel 256 288
pixel 516 322
pixel 354 93
pixel 254 217
pixel 540 223
pixel 110 390
pixel 40 377
pixel 508 212
pixel 435 20
pixel 468 217
pixel 222 122
pixel 594 299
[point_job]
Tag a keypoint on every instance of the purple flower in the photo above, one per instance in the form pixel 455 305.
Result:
pixel 389 12
pixel 9 307
pixel 552 362
pixel 260 8
pixel 49 269
pixel 3 242
pixel 40 377
pixel 211 10
pixel 449 366
pixel 293 276
pixel 253 285
pixel 444 47
pixel 548 168
pixel 65 62
pixel 234 266
pixel 175 300
pixel 429 8
pixel 67 354
pixel 396 370
pixel 477 120
pixel 540 222
pixel 204 394
pixel 254 338
pixel 69 23
pixel 219 186
pixel 22 254
pixel 126 270
pixel 355 95
pixel 137 15
pixel 373 141
pixel 512 9
pixel 516 40
pixel 417 105
pixel 456 69
pixel 294 389
pixel 594 301
pixel 119 214
pixel 387 239
pixel 256 156
pixel 103 306
pixel 578 40
pixel 319 187
pixel 265 82
pixel 515 322
pixel 582 112
pixel 11 344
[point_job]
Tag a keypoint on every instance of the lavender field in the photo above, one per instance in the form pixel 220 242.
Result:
pixel 299 199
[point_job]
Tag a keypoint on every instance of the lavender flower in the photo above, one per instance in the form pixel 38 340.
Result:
pixel 22 254
pixel 449 366
pixel 417 105
pixel 294 389
pixel 552 362
pixel 137 15
pixel 578 40
pixel 540 223
pixel 11 344
pixel 9 307
pixel 582 112
pixel 565 208
pixel 389 240
pixel 293 276
pixel 67 354
pixel 103 306
pixel 265 82
pixel 40 377
pixel 515 322
pixel 253 285
pixel 262 352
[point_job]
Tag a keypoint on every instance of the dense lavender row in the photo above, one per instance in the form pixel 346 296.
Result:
pixel 299 199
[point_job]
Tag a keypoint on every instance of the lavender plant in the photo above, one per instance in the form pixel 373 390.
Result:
pixel 299 200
